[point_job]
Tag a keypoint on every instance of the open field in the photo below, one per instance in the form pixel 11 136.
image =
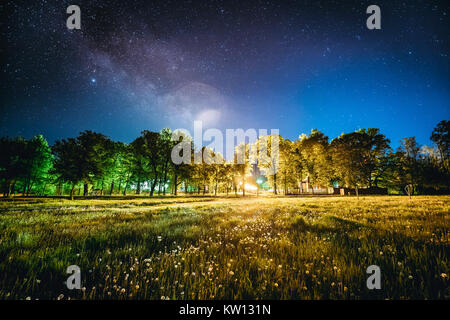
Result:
pixel 226 248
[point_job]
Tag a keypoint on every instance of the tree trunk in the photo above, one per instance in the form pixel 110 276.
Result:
pixel 112 188
pixel 85 192
pixel 138 189
pixel 175 184
pixel 10 188
pixel 164 182
pixel 275 183
pixel 159 187
pixel 71 191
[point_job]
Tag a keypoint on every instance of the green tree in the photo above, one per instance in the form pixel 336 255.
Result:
pixel 37 164
pixel 441 138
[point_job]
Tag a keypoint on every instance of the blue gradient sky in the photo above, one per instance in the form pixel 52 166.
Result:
pixel 289 65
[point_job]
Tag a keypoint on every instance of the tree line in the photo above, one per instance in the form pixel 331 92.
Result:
pixel 93 164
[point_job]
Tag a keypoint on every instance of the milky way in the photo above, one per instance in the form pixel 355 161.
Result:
pixel 292 65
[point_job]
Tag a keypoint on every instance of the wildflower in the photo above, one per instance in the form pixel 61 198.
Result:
pixel 410 277
pixel 231 272
pixel 276 284
pixel 444 275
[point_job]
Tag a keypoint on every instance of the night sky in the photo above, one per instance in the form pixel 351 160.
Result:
pixel 292 65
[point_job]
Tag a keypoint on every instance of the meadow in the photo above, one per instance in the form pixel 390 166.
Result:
pixel 315 247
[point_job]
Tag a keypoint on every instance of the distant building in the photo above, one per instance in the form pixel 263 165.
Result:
pixel 307 187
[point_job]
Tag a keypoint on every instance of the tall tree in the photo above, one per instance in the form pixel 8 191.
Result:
pixel 316 158
pixel 139 162
pixel 268 158
pixel 441 138
pixel 81 159
pixel 12 164
pixel 358 156
pixel 37 164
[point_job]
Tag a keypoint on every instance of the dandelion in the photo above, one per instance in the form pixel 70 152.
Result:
pixel 276 284
pixel 444 275
pixel 231 272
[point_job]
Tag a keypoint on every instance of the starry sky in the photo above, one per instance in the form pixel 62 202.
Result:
pixel 289 65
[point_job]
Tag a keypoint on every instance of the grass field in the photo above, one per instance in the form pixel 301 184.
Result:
pixel 226 248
